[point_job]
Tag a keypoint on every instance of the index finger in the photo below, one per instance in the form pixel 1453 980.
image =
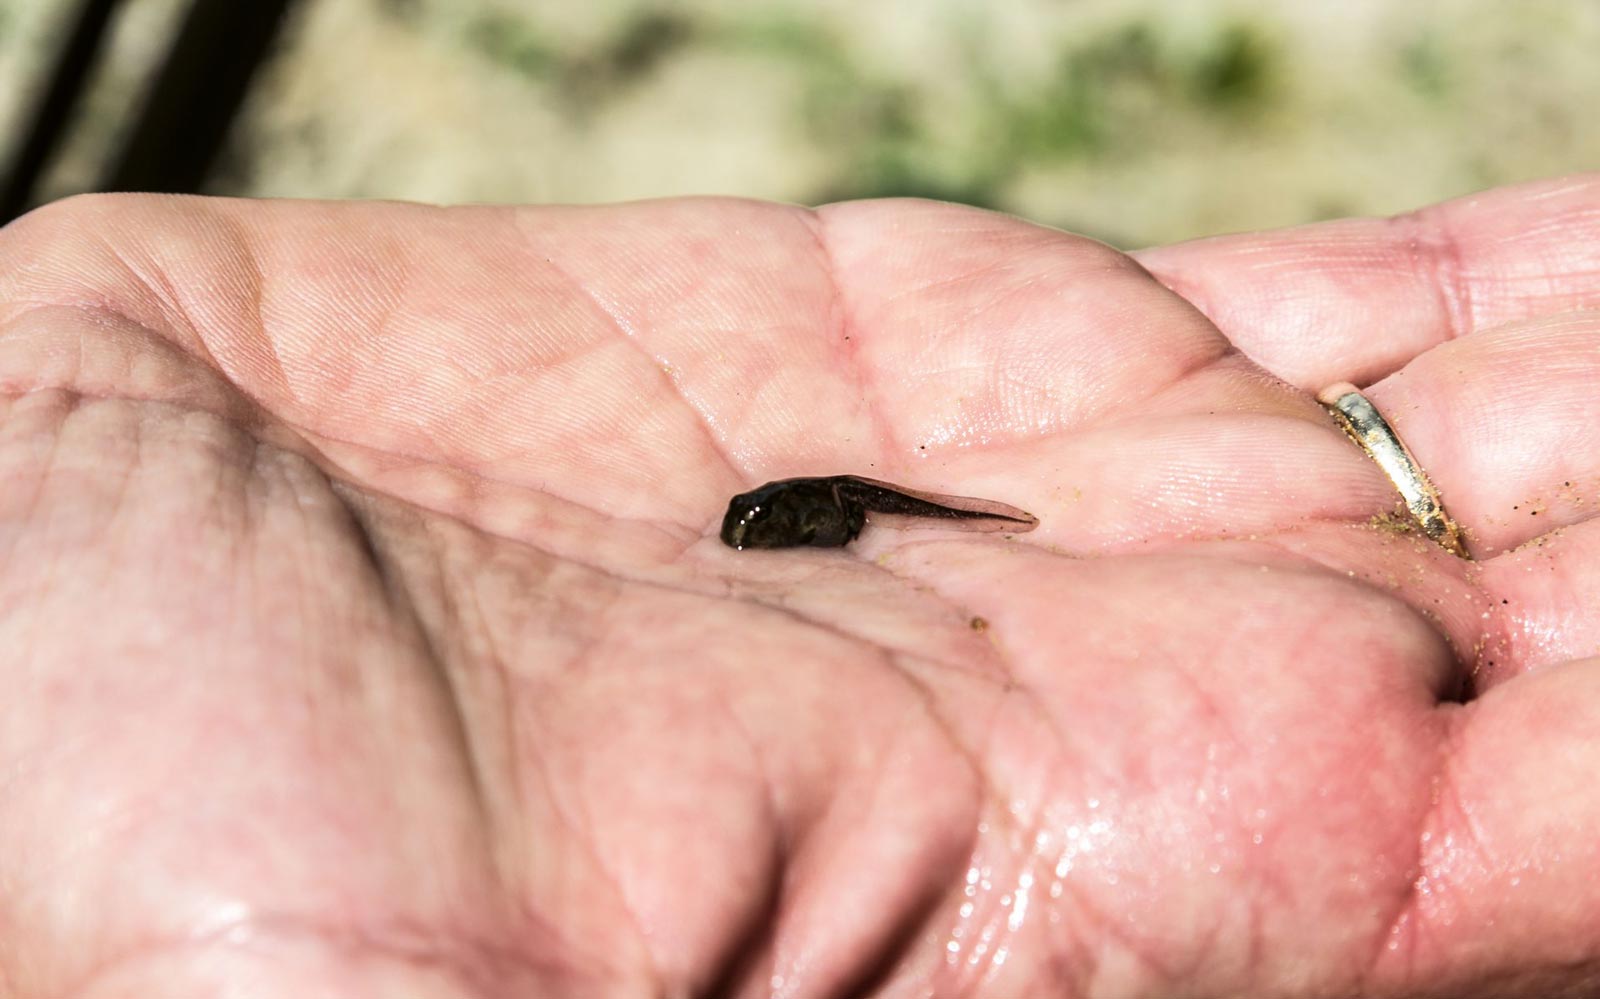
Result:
pixel 1356 299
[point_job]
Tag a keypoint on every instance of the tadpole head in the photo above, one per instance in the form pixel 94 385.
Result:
pixel 758 520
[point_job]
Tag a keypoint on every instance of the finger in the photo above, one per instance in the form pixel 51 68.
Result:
pixel 1507 426
pixel 1354 300
pixel 1541 601
pixel 1510 845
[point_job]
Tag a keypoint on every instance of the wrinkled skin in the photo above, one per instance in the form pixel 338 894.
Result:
pixel 366 631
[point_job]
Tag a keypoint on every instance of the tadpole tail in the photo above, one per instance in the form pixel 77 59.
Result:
pixel 962 512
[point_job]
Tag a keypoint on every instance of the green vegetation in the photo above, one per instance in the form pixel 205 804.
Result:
pixel 805 42
pixel 1105 96
pixel 1424 68
pixel 513 42
pixel 887 171
pixel 586 79
pixel 642 43
pixel 1077 109
pixel 1236 71
pixel 1111 92
pixel 877 127
pixel 407 11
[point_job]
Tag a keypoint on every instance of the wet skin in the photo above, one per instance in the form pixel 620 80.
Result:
pixel 829 511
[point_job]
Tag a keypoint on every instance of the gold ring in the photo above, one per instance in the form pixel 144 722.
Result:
pixel 1367 427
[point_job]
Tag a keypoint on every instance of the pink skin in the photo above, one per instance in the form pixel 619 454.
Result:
pixel 366 632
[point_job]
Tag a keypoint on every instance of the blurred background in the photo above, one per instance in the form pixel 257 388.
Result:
pixel 1134 121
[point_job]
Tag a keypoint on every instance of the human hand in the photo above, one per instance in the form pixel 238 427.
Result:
pixel 367 633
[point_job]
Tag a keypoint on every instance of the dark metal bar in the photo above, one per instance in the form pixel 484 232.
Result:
pixel 194 100
pixel 71 72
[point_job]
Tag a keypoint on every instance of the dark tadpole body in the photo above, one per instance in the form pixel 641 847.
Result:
pixel 830 511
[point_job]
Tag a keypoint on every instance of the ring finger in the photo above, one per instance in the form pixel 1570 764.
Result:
pixel 1506 423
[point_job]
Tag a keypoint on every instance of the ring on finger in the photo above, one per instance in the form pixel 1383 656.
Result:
pixel 1367 427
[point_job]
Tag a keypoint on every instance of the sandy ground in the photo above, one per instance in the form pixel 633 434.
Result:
pixel 1137 121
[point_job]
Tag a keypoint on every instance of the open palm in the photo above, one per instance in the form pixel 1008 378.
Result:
pixel 366 632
